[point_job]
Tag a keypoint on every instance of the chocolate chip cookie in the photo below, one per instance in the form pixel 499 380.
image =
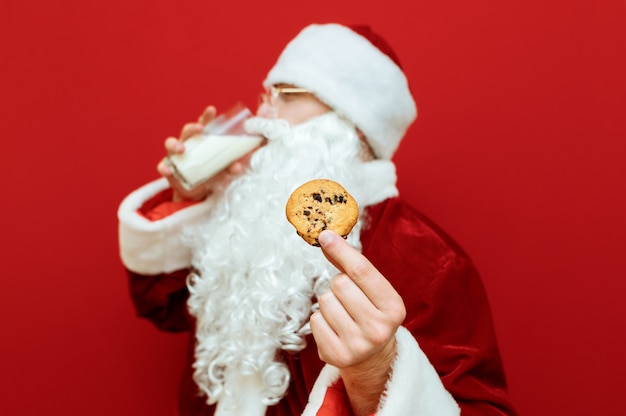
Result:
pixel 318 205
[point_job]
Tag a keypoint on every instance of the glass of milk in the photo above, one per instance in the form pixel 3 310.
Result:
pixel 222 141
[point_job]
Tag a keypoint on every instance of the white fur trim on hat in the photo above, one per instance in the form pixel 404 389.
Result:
pixel 153 247
pixel 413 389
pixel 355 78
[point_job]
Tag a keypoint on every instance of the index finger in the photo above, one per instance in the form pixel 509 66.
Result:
pixel 357 267
pixel 207 115
pixel 335 249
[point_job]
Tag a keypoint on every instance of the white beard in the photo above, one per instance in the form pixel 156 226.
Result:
pixel 256 278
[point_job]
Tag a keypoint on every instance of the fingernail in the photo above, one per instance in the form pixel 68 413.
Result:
pixel 325 237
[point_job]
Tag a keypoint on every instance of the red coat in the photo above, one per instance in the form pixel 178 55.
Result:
pixel 447 313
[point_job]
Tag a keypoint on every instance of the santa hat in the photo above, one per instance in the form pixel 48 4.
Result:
pixel 354 71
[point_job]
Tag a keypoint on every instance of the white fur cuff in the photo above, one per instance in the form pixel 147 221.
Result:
pixel 413 389
pixel 153 247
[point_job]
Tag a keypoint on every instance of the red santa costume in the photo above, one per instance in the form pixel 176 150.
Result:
pixel 232 271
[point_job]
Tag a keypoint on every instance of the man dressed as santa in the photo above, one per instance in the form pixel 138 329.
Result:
pixel 391 321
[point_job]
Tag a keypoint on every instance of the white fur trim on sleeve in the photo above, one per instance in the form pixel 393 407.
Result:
pixel 327 377
pixel 153 247
pixel 413 389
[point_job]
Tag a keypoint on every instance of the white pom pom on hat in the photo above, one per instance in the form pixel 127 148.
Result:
pixel 355 72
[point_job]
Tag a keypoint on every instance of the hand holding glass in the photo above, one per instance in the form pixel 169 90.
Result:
pixel 222 142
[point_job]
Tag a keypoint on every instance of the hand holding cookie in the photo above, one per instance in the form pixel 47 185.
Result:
pixel 356 323
pixel 358 317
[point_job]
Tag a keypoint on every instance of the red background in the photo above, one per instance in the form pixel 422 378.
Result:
pixel 518 152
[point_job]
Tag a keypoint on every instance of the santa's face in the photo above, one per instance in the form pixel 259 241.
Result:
pixel 297 105
pixel 290 103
